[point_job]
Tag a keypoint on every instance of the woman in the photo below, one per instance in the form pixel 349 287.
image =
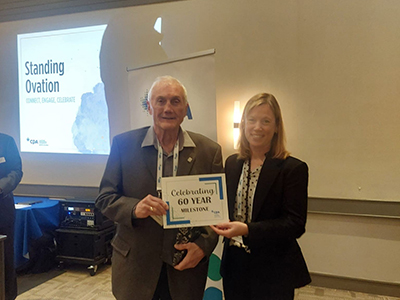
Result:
pixel 267 198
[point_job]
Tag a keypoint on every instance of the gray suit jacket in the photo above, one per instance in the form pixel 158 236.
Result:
pixel 141 245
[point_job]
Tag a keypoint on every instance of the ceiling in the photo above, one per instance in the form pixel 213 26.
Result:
pixel 12 10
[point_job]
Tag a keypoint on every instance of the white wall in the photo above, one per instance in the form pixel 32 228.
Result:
pixel 355 247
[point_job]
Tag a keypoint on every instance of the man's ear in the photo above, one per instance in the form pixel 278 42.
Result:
pixel 149 108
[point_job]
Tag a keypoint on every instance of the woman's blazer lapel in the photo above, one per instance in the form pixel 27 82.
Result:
pixel 269 171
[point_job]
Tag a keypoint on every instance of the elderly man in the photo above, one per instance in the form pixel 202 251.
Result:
pixel 10 176
pixel 146 262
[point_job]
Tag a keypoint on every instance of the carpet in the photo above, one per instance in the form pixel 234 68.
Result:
pixel 27 281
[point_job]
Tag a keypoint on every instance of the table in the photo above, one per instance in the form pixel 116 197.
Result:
pixel 33 217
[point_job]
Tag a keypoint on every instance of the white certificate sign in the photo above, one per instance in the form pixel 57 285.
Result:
pixel 198 200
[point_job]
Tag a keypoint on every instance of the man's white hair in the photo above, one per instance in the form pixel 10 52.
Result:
pixel 168 79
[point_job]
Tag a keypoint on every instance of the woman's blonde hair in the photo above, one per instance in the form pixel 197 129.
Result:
pixel 278 143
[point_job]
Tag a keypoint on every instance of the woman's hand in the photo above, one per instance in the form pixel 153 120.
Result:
pixel 231 229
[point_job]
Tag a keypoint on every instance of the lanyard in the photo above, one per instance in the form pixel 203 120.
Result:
pixel 160 164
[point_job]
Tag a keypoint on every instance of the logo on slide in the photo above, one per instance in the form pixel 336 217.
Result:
pixel 37 142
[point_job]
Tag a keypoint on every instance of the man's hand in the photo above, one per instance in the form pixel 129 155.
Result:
pixel 193 256
pixel 231 229
pixel 150 206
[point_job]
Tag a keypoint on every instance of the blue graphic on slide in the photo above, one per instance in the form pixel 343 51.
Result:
pixel 91 129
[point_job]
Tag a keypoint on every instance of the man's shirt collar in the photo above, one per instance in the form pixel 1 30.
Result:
pixel 184 139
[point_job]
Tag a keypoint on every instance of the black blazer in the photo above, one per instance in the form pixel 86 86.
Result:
pixel 278 219
pixel 10 176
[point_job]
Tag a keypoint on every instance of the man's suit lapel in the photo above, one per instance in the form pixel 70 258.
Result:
pixel 269 171
pixel 187 157
pixel 150 158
